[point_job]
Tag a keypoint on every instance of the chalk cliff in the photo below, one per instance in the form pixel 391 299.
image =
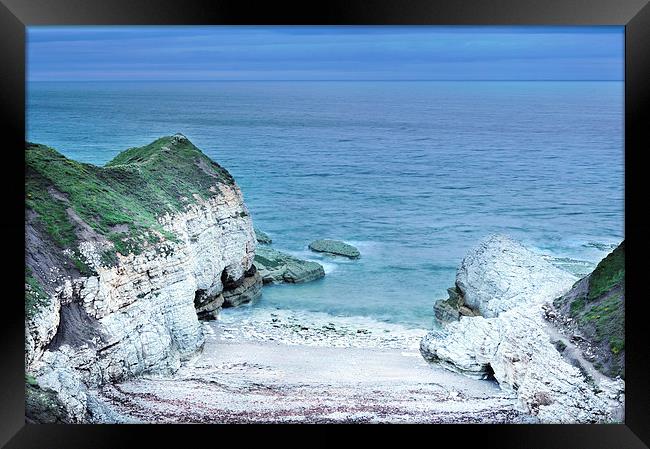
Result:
pixel 121 263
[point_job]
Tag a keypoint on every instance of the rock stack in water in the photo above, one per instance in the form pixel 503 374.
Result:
pixel 121 262
pixel 508 287
pixel 335 248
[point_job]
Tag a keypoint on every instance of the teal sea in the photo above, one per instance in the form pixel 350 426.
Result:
pixel 412 173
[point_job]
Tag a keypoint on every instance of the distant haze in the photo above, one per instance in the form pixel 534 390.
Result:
pixel 179 53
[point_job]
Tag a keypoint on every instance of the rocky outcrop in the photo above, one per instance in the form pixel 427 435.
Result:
pixel 452 308
pixel 128 256
pixel 500 274
pixel 521 279
pixel 335 248
pixel 512 343
pixel 277 267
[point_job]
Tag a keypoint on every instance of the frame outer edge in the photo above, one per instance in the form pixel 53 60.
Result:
pixel 12 113
pixel 414 12
pixel 637 143
pixel 635 14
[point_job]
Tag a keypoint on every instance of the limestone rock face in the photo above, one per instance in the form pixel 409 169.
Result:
pixel 513 343
pixel 276 267
pixel 500 274
pixel 335 247
pixel 141 315
pixel 40 329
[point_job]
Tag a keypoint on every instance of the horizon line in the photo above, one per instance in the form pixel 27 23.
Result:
pixel 315 80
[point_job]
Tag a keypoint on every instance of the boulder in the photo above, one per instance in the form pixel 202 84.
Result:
pixel 276 267
pixel 42 405
pixel 335 247
pixel 500 274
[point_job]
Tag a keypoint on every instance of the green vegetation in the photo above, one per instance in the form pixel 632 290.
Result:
pixel 609 273
pixel 35 296
pixel 608 318
pixel 29 380
pixel 616 344
pixel 121 200
pixel 51 211
pixel 607 288
pixel 597 306
pixel 577 306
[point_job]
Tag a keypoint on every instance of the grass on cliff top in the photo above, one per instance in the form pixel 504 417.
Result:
pixel 609 273
pixel 123 199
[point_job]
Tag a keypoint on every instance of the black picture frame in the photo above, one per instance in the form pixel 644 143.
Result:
pixel 15 15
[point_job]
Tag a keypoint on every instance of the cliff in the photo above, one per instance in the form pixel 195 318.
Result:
pixel 121 262
pixel 509 289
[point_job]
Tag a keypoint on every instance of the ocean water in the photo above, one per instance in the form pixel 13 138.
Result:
pixel 412 173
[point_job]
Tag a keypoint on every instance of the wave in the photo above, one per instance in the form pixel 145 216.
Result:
pixel 329 267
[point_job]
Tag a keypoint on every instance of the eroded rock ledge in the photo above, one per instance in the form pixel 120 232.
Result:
pixel 122 261
pixel 511 341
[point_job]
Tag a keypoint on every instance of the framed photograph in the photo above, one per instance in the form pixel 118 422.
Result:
pixel 354 213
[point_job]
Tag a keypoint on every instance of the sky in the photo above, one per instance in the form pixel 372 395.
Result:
pixel 175 53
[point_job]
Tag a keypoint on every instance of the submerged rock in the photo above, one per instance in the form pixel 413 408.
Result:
pixel 334 247
pixel 275 266
pixel 600 246
pixel 262 237
pixel 511 341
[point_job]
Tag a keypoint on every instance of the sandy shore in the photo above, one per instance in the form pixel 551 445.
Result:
pixel 291 373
